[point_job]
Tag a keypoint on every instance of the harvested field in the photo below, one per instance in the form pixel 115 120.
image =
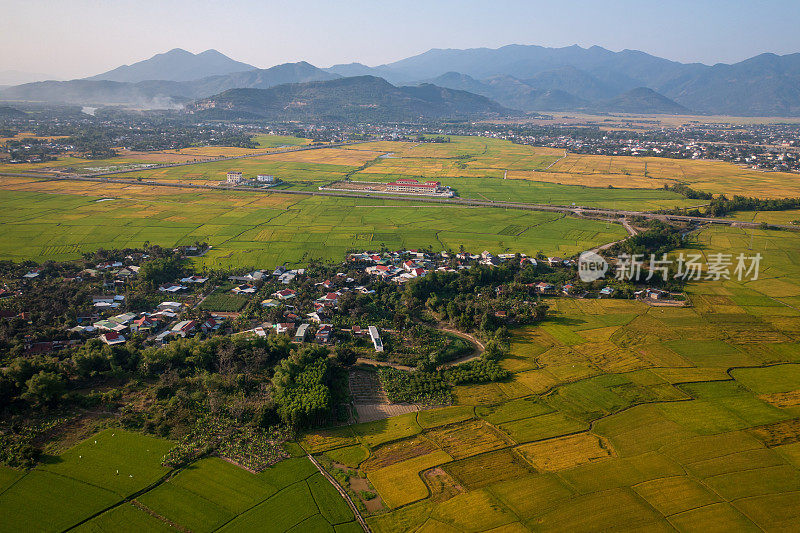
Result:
pixel 467 438
pixel 488 468
pixel 565 452
pixel 395 452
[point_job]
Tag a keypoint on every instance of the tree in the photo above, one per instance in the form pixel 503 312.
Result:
pixel 44 388
pixel 346 356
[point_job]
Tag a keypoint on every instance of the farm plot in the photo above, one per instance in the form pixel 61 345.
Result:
pixel 467 438
pixel 542 427
pixel 565 452
pixel 66 500
pixel 126 518
pixel 482 470
pixel 117 460
pixel 222 299
pixel 601 511
pixel 400 483
pixel 248 229
pixel 395 452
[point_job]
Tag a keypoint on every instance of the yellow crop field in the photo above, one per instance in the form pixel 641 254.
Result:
pixel 652 172
pixel 400 484
pixel 565 452
pixel 328 156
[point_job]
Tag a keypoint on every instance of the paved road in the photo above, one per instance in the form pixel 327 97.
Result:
pixel 567 209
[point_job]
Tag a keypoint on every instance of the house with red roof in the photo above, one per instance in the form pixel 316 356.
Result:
pixel 112 338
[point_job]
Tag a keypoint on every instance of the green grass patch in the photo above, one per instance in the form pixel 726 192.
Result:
pixel 351 456
pixel 431 418
pixel 186 508
pixel 542 427
pixel 125 518
pixel 330 503
pixel 118 460
pixel 224 484
pixel 43 501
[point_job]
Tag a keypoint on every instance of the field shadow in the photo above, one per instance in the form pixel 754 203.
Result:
pixel 47 459
pixel 375 427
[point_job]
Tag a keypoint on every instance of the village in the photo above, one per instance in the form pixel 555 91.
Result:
pixel 319 305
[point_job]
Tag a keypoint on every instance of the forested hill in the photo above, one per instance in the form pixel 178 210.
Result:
pixel 359 98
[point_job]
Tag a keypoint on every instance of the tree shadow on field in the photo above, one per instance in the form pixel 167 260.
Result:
pixel 47 459
pixel 376 427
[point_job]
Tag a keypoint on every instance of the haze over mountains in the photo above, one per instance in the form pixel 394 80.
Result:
pixel 519 77
pixel 355 98
pixel 176 65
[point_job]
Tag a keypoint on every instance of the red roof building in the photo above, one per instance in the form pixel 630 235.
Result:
pixel 412 185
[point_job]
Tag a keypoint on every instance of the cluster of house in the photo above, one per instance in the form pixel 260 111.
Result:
pixel 291 321
pixel 404 265
pixel 246 287
pixel 237 178
pixel 159 324
pixel 653 294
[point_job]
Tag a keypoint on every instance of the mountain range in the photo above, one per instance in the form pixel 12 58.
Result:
pixel 352 99
pixel 521 77
pixel 176 65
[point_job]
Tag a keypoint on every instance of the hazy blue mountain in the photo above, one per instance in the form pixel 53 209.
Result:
pixel 152 95
pixel 359 98
pixel 529 78
pixel 175 65
pixel 461 82
pixel 357 69
pixel 159 93
pixel 574 81
pixel 765 85
pixel 526 61
pixel 258 79
pixel 16 77
pixel 511 92
pixel 641 100
pixel 10 112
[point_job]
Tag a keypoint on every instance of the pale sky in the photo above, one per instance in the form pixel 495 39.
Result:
pixel 77 38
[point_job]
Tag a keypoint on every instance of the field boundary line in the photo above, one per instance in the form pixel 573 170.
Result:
pixel 343 493
pixel 128 499
pixel 573 210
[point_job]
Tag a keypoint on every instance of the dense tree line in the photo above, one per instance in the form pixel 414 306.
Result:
pixel 721 206
pixel 687 192
pixel 658 238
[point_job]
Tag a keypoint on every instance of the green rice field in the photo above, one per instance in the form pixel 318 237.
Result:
pixel 261 230
pixel 113 481
pixel 618 415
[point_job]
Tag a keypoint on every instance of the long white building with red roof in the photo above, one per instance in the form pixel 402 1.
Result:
pixel 412 185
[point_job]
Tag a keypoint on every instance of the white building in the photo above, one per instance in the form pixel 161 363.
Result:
pixel 265 178
pixel 234 178
pixel 376 338
pixel 300 335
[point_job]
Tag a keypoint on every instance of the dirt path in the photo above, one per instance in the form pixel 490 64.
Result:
pixel 631 232
pixel 373 362
pixel 343 493
pixel 556 161
pixel 478 347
